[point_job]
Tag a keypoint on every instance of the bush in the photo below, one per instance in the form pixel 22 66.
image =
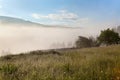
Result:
pixel 109 37
pixel 84 42
pixel 9 72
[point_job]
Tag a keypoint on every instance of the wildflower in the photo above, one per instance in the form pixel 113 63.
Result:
pixel 101 71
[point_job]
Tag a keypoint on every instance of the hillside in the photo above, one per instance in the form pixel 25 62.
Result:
pixel 76 64
pixel 6 20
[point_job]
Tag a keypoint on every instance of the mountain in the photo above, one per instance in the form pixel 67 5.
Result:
pixel 5 20
pixel 10 20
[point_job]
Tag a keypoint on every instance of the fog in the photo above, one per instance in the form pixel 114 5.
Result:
pixel 19 38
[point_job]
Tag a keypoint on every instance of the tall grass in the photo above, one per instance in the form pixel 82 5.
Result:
pixel 80 64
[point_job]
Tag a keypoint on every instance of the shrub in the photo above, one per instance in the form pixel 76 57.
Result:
pixel 9 72
pixel 84 42
pixel 109 37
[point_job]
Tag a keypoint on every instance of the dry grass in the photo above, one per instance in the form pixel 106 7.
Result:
pixel 78 64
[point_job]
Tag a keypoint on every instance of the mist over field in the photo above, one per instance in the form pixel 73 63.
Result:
pixel 59 39
pixel 16 38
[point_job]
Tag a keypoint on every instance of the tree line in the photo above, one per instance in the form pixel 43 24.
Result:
pixel 106 37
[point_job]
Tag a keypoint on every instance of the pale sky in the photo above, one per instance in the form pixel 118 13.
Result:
pixel 73 13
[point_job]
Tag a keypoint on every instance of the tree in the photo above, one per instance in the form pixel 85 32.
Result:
pixel 109 37
pixel 83 42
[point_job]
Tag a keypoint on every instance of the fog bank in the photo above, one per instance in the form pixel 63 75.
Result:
pixel 20 38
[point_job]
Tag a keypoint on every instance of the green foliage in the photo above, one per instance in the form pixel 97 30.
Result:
pixel 109 37
pixel 9 72
pixel 84 42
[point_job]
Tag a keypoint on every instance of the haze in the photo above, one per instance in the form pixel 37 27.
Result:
pixel 62 22
pixel 20 38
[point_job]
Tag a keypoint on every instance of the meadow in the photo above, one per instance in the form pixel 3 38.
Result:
pixel 102 63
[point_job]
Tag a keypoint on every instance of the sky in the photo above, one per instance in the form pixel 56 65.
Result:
pixel 73 13
pixel 89 16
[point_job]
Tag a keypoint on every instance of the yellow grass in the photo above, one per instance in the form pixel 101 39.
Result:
pixel 101 63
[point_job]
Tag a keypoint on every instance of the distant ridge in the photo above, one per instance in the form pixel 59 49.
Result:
pixel 5 20
pixel 12 20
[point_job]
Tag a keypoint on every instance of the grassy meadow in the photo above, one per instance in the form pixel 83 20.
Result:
pixel 101 63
